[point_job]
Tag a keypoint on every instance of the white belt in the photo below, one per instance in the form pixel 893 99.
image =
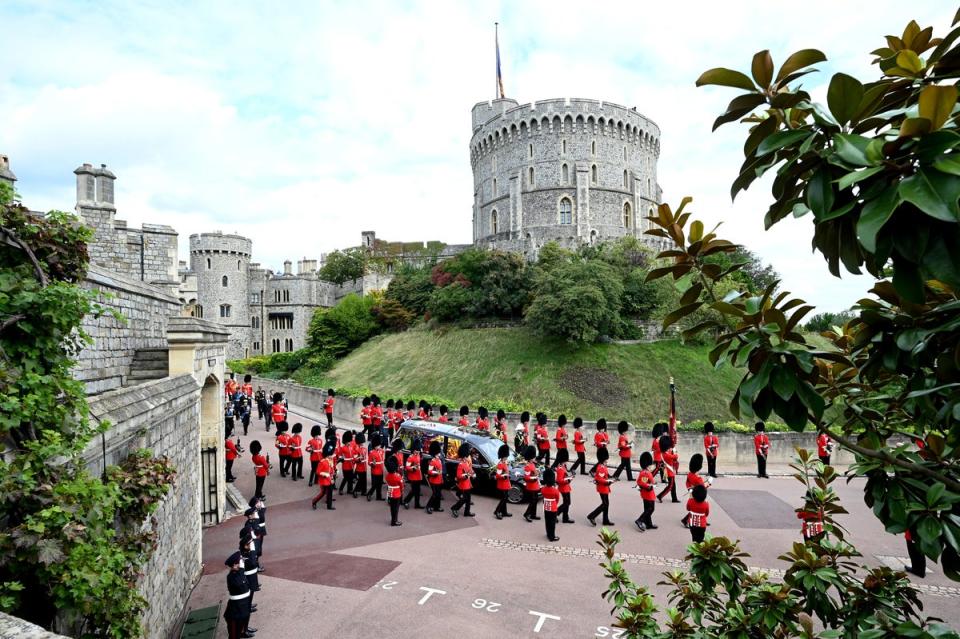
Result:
pixel 262 524
pixel 249 572
pixel 239 597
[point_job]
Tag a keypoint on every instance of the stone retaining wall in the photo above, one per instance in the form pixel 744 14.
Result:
pixel 736 449
pixel 16 627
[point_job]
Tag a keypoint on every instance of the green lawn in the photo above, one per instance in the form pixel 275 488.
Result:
pixel 513 369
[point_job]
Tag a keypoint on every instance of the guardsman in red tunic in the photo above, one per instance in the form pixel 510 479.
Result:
pixel 315 450
pixel 693 479
pixel 359 465
pixel 579 447
pixel 434 478
pixel 375 459
pixel 602 479
pixel 411 409
pixel 483 423
pixel 502 476
pixel 465 477
pixel 761 446
pixel 918 561
pixel 542 436
pixel 711 447
pixel 522 437
pixel 278 410
pixel 697 510
pixel 625 449
pixel 551 503
pixel 414 474
pixel 326 474
pixel 394 490
pixel 328 405
pixel 531 484
pixel 658 430
pixel 423 411
pixel 560 437
pixel 600 440
pixel 230 387
pixel 346 456
pixel 294 445
pixel 231 454
pixel 824 448
pixel 647 492
pixel 376 415
pixel 443 419
pixel 464 420
pixel 671 462
pixel 500 426
pixel 366 417
pixel 247 388
pixel 261 466
pixel 282 442
pixel 564 479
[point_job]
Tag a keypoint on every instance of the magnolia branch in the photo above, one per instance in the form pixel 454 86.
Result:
pixel 41 276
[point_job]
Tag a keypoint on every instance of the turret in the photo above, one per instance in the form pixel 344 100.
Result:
pixel 6 175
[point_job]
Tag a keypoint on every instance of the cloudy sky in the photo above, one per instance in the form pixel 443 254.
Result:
pixel 301 125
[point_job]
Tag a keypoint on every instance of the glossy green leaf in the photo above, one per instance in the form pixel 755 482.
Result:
pixel 780 140
pixel 910 61
pixel 820 194
pixel 843 96
pixel 853 177
pixel 875 214
pixel 914 126
pixel 762 68
pixel 799 60
pixel 949 164
pixel 783 381
pixel 934 193
pixel 852 149
pixel 726 78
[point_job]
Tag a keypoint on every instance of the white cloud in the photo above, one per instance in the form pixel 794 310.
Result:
pixel 302 124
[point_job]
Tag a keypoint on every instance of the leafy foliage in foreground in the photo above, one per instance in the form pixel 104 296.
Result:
pixel 71 545
pixel 719 597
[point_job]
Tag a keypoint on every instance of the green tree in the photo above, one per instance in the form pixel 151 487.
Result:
pixel 411 288
pixel 344 266
pixel 754 275
pixel 578 301
pixel 827 321
pixel 340 329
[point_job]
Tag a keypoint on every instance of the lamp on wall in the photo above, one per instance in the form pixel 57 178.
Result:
pixel 212 361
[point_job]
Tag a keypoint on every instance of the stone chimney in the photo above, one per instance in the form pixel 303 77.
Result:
pixel 368 240
pixel 105 179
pixel 287 267
pixel 6 175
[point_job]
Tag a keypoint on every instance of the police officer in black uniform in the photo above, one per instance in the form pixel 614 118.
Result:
pixel 237 613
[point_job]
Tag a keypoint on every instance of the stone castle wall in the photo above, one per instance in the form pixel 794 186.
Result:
pixel 213 257
pixel 105 364
pixel 527 159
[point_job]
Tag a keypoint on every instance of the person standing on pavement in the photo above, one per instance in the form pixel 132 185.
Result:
pixel 564 479
pixel 551 502
pixel 465 477
pixel 326 473
pixel 366 416
pixel 579 447
pixel 282 441
pixel 230 454
pixel 414 475
pixel 237 612
pixel 376 461
pixel 648 495
pixel 600 440
pixel 295 446
pixel 918 561
pixel 263 410
pixel 464 420
pixel 531 484
pixel 601 478
pixel 658 430
pixel 482 422
pixel 671 462
pixel 500 426
pixel 360 466
pixel 260 531
pixel 711 447
pixel 251 568
pixel 521 438
pixel 693 479
pixel 443 419
pixel 502 476
pixel 542 436
pixel 824 448
pixel 278 410
pixel 697 511
pixel 346 457
pixel 761 446
pixel 560 437
pixel 328 405
pixel 394 490
pixel 625 448
pixel 315 450
pixel 435 477
pixel 261 466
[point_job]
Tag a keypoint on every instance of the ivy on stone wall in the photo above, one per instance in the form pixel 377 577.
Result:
pixel 72 545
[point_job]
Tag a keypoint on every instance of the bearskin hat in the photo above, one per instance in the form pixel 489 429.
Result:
pixel 330 434
pixel 696 463
pixel 577 422
pixel 391 464
pixel 434 447
pixel 549 477
pixel 389 403
pixel 247 378
pixel 501 414
pixel 503 452
pixel 760 427
pixel 298 427
pixel 530 453
pixel 542 419
pixel 562 420
pixel 525 417
pixel 603 454
pixel 665 443
pixel 708 427
pixel 464 410
pixel 411 405
pixel 482 412
pixel 375 440
pixel 331 393
pixel 646 459
pixel 443 409
pixel 255 447
pixel 374 399
pixel 416 445
pixel 365 401
pixel 464 451
pixel 277 398
pixel 656 432
pixel 316 431
pixel 347 437
pixel 359 439
pixel 601 424
pixel 622 426
pixel 328 449
pixel 699 493
pixel 396 445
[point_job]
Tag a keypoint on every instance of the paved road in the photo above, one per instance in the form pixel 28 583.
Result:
pixel 347 573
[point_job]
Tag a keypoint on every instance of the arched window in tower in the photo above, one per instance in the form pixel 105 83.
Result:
pixel 565 174
pixel 530 151
pixel 648 187
pixel 225 281
pixel 224 310
pixel 275 345
pixel 593 148
pixel 197 311
pixel 495 191
pixel 238 265
pixel 276 295
pixel 254 321
pixel 493 164
pixel 286 295
pixel 566 211
pixel 208 263
pixel 493 221
pixel 626 179
pixel 531 180
pixel 563 147
pixel 627 215
pixel 624 154
pixel 593 174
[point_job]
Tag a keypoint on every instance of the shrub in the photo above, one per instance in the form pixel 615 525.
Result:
pixel 391 315
pixel 578 301
pixel 411 288
pixel 451 302
pixel 340 329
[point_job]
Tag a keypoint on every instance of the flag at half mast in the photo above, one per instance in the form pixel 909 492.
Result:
pixel 496 38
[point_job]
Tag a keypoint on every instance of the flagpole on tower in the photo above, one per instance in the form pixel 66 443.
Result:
pixel 496 47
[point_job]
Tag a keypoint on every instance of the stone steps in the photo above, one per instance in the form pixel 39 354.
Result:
pixel 148 364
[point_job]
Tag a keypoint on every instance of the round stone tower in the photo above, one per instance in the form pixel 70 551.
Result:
pixel 221 263
pixel 566 170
